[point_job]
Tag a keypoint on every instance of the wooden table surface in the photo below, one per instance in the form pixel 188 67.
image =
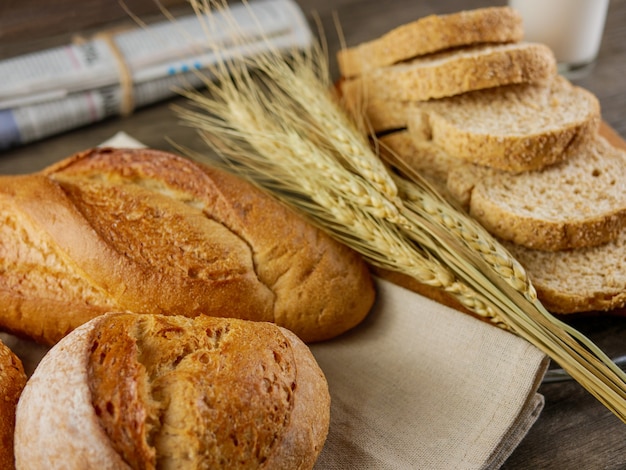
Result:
pixel 574 430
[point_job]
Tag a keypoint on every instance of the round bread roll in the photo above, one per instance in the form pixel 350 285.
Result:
pixel 12 381
pixel 151 232
pixel 127 391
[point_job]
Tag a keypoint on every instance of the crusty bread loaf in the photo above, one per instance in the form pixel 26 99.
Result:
pixel 432 34
pixel 580 202
pixel 154 391
pixel 12 381
pixel 451 73
pixel 512 128
pixel 151 232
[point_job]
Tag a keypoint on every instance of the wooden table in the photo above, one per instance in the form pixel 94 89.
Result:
pixel 574 430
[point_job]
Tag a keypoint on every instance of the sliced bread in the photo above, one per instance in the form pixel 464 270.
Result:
pixel 512 128
pixel 431 34
pixel 453 72
pixel 583 280
pixel 580 202
pixel 567 281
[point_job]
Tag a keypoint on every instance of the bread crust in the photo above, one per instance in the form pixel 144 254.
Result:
pixel 151 232
pixel 12 382
pixel 431 34
pixel 452 73
pixel 148 396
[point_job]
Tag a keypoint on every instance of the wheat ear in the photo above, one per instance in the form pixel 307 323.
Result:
pixel 273 120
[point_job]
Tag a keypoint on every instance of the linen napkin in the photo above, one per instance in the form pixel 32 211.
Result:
pixel 417 385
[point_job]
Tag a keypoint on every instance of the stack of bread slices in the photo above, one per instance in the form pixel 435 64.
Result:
pixel 486 118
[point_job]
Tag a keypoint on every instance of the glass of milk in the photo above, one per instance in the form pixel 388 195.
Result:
pixel 571 28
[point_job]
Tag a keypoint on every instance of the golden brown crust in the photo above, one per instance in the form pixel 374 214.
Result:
pixel 152 232
pixel 171 392
pixel 12 381
pixel 431 34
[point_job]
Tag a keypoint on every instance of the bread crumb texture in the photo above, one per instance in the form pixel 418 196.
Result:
pixel 577 203
pixel 513 128
pixel 453 72
pixel 581 280
pixel 179 393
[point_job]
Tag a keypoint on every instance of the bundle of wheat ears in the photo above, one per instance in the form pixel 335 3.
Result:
pixel 275 120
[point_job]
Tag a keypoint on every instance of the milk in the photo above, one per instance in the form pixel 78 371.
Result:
pixel 571 28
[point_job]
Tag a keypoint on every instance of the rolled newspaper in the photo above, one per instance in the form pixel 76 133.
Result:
pixel 58 89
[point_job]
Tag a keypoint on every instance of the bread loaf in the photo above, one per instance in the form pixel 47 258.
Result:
pixel 451 73
pixel 432 34
pixel 525 159
pixel 12 381
pixel 128 391
pixel 150 232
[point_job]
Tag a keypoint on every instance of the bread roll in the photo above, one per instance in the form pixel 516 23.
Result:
pixel 12 381
pixel 170 392
pixel 151 232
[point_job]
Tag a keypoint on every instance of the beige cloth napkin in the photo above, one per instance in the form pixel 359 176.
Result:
pixel 416 385
pixel 419 385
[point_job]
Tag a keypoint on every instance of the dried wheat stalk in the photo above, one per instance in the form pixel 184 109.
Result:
pixel 276 122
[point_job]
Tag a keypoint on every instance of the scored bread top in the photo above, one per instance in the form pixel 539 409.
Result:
pixel 151 232
pixel 512 128
pixel 432 34
pixel 148 373
pixel 580 202
pixel 451 73
pixel 171 392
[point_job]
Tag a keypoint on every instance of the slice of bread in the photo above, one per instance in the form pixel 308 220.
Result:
pixel 453 72
pixel 432 34
pixel 512 128
pixel 580 202
pixel 567 281
pixel 583 280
